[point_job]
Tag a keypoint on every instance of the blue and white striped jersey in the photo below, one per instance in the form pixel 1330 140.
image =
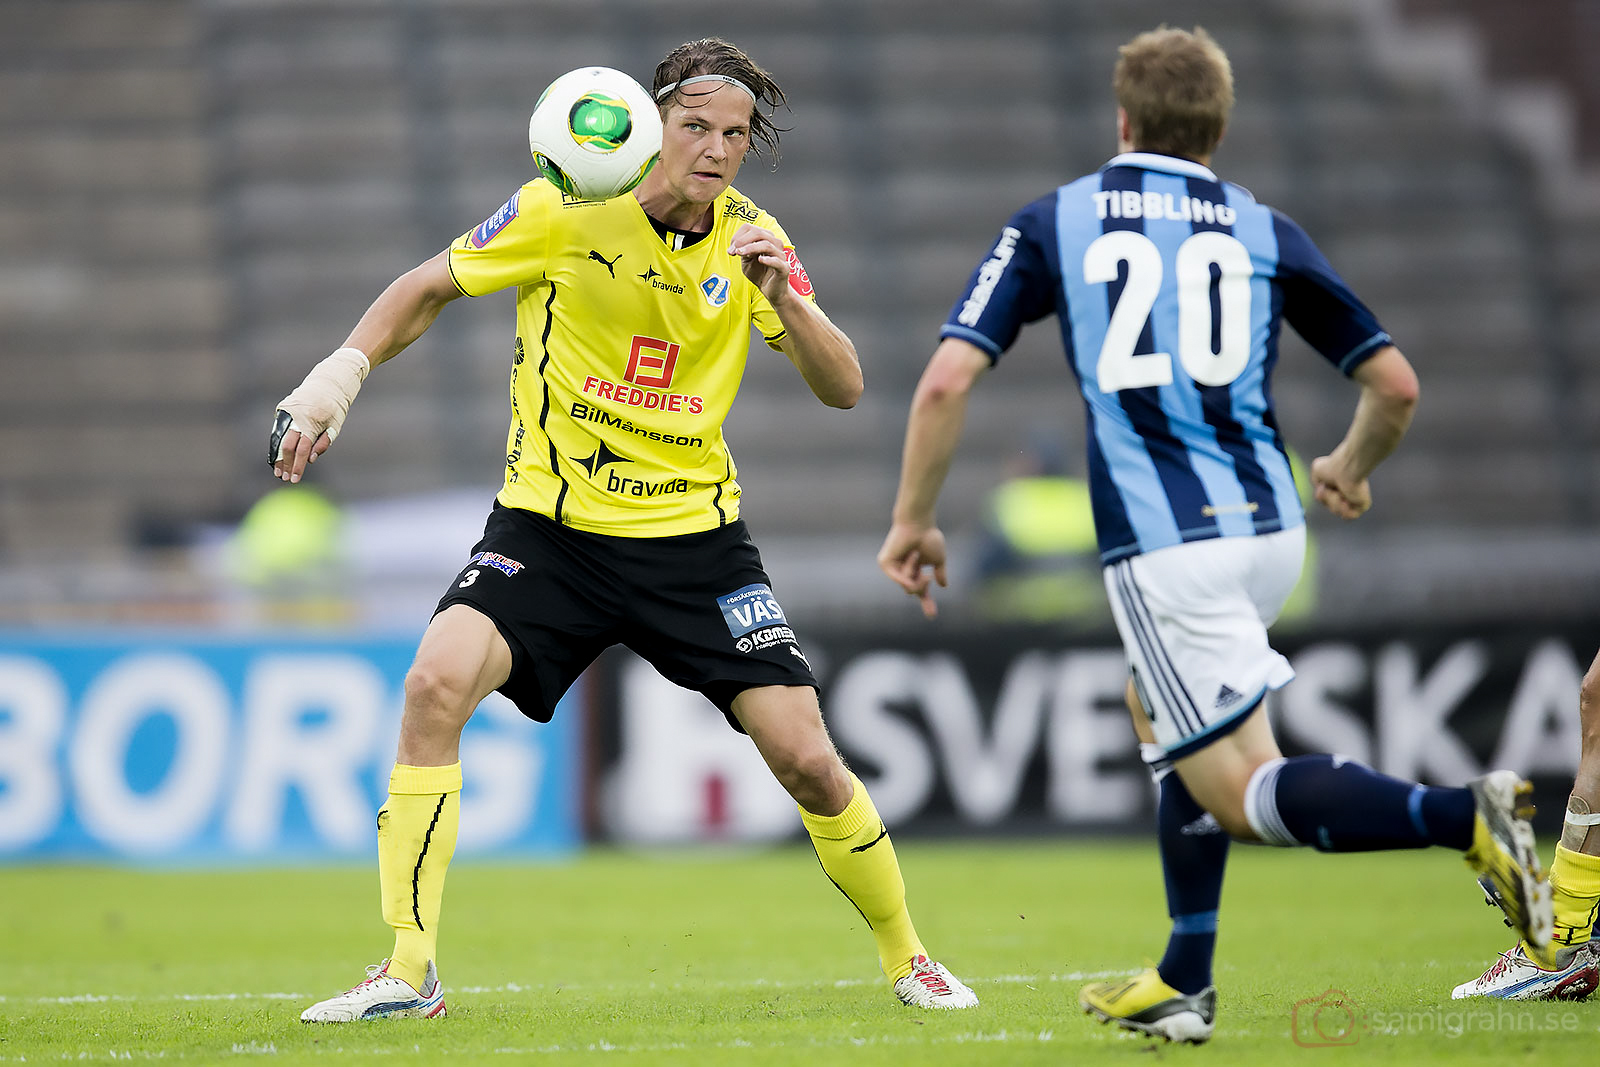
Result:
pixel 1170 286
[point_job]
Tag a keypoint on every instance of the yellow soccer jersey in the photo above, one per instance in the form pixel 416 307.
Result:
pixel 628 356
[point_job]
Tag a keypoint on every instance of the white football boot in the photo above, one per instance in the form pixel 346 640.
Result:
pixel 931 985
pixel 1514 976
pixel 382 996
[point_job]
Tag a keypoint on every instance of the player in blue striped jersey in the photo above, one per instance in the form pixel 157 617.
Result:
pixel 1170 310
pixel 1171 288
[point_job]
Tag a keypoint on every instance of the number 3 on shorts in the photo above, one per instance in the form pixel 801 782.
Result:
pixel 471 576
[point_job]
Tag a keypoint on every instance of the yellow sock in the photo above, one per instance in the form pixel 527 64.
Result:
pixel 858 856
pixel 416 838
pixel 1575 890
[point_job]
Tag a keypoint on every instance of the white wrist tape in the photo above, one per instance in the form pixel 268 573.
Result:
pixel 320 403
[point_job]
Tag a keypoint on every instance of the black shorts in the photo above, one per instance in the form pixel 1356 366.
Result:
pixel 698 607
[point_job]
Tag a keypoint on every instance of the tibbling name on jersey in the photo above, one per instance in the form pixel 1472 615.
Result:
pixel 1133 204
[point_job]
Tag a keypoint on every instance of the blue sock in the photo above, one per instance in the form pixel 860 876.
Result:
pixel 1339 805
pixel 1194 855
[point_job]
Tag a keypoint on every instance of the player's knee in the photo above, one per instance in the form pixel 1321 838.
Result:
pixel 815 777
pixel 1589 706
pixel 436 693
pixel 811 769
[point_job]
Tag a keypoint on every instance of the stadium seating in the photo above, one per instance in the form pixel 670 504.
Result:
pixel 209 195
pixel 117 409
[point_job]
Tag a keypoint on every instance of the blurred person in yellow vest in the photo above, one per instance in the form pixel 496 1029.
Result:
pixel 1038 559
pixel 1037 556
pixel 1303 600
pixel 288 555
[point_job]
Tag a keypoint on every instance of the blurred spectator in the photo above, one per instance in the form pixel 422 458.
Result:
pixel 1302 603
pixel 288 557
pixel 1037 557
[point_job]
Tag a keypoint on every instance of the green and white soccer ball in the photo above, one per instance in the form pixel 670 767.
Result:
pixel 595 133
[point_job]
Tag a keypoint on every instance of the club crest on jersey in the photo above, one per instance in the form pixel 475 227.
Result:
pixel 507 567
pixel 749 609
pixel 799 280
pixel 716 289
pixel 492 225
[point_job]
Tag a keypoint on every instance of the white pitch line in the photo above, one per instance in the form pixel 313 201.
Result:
pixel 1001 1036
pixel 968 1037
pixel 541 987
pixel 126 998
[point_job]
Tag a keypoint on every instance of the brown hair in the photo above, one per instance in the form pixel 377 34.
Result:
pixel 713 55
pixel 1177 88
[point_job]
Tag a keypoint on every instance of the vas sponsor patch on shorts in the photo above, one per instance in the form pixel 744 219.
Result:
pixel 749 609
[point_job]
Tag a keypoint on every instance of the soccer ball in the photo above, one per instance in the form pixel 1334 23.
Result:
pixel 595 133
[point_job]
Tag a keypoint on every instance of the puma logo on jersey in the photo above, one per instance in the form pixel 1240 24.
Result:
pixel 607 263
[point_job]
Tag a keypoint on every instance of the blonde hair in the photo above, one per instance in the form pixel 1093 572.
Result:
pixel 1177 89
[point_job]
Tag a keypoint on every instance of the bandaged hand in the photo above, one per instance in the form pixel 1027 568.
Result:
pixel 315 409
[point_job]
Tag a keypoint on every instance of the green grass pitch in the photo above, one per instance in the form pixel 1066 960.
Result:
pixel 735 957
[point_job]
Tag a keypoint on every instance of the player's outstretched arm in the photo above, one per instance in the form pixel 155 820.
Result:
pixel 938 412
pixel 1389 393
pixel 821 352
pixel 309 418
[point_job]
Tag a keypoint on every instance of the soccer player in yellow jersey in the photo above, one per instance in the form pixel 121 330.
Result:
pixel 1573 971
pixel 619 518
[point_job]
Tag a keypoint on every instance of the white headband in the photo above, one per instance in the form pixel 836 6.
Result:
pixel 661 94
